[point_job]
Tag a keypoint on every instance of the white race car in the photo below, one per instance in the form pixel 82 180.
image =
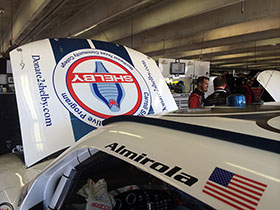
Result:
pixel 177 161
pixel 224 158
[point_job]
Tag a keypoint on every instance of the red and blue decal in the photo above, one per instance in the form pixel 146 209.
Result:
pixel 105 86
pixel 95 81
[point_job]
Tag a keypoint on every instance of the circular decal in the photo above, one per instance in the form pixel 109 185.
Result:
pixel 95 84
pixel 6 206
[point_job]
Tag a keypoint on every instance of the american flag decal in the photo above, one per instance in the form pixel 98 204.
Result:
pixel 237 191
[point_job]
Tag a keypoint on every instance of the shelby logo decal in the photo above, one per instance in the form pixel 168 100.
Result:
pixel 174 172
pixel 95 84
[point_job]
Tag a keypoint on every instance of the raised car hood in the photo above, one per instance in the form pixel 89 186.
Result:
pixel 66 87
pixel 270 81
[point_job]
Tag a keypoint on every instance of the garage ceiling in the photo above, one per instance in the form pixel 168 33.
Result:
pixel 232 34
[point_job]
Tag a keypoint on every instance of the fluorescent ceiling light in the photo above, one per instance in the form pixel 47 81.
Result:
pixel 85 30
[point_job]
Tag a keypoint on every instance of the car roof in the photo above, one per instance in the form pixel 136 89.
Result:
pixel 255 129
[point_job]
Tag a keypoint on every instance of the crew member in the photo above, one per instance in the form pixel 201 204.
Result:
pixel 196 99
pixel 218 98
pixel 247 91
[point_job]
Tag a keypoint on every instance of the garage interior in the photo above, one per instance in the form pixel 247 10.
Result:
pixel 241 37
pixel 54 96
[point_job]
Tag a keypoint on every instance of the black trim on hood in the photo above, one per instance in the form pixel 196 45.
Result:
pixel 229 136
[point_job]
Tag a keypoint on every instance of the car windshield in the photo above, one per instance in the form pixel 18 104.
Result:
pixel 126 186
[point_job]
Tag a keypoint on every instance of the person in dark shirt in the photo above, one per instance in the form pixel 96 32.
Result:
pixel 219 97
pixel 196 99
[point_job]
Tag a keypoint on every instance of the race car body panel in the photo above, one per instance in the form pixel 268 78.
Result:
pixel 66 87
pixel 259 123
pixel 12 170
pixel 184 159
pixel 14 176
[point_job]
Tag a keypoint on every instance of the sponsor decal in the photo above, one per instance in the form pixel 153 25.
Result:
pixel 95 84
pixel 154 85
pixel 6 206
pixel 235 190
pixel 42 89
pixel 171 171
